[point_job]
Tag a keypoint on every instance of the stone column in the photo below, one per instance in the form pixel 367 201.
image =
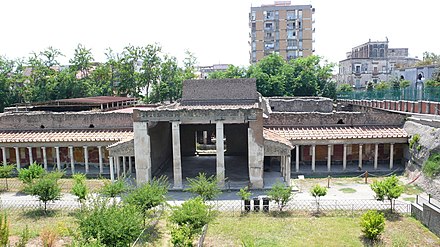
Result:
pixel 220 153
pixel 101 166
pixel 31 159
pixel 255 154
pixel 360 156
pixel 288 167
pixel 329 157
pixel 376 153
pixel 4 156
pixel 297 158
pixel 118 166
pixel 344 158
pixel 177 157
pixel 391 156
pixel 112 173
pixel 142 152
pixel 282 165
pixel 44 157
pixel 86 159
pixel 72 160
pixel 57 150
pixel 17 157
pixel 313 157
pixel 129 165
pixel 124 165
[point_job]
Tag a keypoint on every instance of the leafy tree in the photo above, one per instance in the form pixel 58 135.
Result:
pixel 432 83
pixel 189 63
pixel 372 224
pixel 113 189
pixel 429 58
pixel 329 90
pixel 389 189
pixel 46 188
pixel 370 86
pixel 281 194
pixel 6 172
pixel 382 86
pixel 170 85
pixel 318 191
pixel 82 61
pixel 27 175
pixel 404 83
pixel 231 72
pixel 79 188
pixel 110 224
pixel 206 187
pixel 148 195
pixel 345 88
pixel 244 193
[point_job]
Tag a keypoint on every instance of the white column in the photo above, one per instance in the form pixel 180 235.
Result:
pixel 130 165
pixel 124 171
pixel 101 166
pixel 72 161
pixel 118 166
pixel 86 159
pixel 344 158
pixel 376 152
pixel 112 173
pixel 44 157
pixel 57 151
pixel 220 153
pixel 282 166
pixel 391 155
pixel 297 158
pixel 313 157
pixel 31 159
pixel 288 167
pixel 329 157
pixel 360 156
pixel 177 159
pixel 17 157
pixel 4 156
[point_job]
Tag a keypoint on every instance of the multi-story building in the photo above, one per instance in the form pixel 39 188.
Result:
pixel 281 28
pixel 373 61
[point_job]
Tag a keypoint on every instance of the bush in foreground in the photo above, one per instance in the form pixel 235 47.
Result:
pixel 281 194
pixel 372 224
pixel 205 187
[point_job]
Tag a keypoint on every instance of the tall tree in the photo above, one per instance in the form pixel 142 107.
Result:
pixel 149 72
pixel 82 61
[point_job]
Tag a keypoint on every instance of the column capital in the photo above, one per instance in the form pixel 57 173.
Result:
pixel 85 147
pixel 43 147
pixel 57 147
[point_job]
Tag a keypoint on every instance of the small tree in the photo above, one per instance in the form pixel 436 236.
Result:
pixel 281 194
pixel 244 194
pixel 32 172
pixel 389 189
pixel 79 188
pixel 113 189
pixel 206 187
pixel 372 224
pixel 6 172
pixel 317 191
pixel 46 188
pixel 148 195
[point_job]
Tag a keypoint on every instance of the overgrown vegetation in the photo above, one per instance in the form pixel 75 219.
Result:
pixel 431 168
pixel 27 175
pixel 372 224
pixel 389 189
pixel 4 230
pixel 79 188
pixel 205 187
pixel 244 193
pixel 114 189
pixel 318 191
pixel 6 172
pixel 414 140
pixel 281 194
pixel 46 188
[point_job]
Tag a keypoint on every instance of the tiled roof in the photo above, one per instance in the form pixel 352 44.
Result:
pixel 272 136
pixel 335 133
pixel 86 135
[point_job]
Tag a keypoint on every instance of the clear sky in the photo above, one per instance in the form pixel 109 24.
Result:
pixel 216 31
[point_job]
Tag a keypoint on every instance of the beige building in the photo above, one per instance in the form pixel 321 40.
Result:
pixel 281 28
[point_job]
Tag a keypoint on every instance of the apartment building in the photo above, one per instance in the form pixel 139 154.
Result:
pixel 281 28
pixel 372 61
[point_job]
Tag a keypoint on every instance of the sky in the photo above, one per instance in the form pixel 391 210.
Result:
pixel 216 31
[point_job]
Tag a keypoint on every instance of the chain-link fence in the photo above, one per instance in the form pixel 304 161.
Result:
pixel 409 93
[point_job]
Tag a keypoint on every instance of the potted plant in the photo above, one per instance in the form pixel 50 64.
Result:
pixel 245 195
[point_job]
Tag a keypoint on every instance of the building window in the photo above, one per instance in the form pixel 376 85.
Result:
pixel 292 44
pixel 254 27
pixel 291 25
pixel 299 25
pixel 290 15
pixel 300 45
pixel 268 46
pixel 300 14
pixel 358 69
pixel 269 35
pixel 268 25
pixel 253 15
pixel 291 34
pixel 269 15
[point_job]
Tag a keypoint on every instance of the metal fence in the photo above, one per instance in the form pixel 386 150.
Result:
pixel 409 93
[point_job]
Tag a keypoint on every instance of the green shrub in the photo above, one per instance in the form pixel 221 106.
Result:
pixel 205 187
pixel 281 194
pixel 244 193
pixel 372 224
pixel 46 188
pixel 193 213
pixel 181 236
pixel 25 235
pixel 4 230
pixel 389 189
pixel 6 172
pixel 28 175
pixel 317 191
pixel 112 224
pixel 79 188
pixel 431 168
pixel 113 189
pixel 415 139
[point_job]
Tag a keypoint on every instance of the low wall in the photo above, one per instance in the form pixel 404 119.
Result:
pixel 422 107
pixel 301 104
pixel 429 215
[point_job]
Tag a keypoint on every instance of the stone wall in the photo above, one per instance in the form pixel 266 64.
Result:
pixel 334 119
pixel 429 215
pixel 66 120
pixel 300 104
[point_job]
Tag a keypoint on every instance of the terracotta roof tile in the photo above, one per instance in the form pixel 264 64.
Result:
pixel 273 136
pixel 87 135
pixel 334 133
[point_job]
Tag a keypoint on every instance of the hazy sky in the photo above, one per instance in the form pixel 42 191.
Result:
pixel 216 31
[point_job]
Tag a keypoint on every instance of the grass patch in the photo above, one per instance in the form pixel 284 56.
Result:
pixel 348 190
pixel 66 184
pixel 431 168
pixel 412 189
pixel 264 230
